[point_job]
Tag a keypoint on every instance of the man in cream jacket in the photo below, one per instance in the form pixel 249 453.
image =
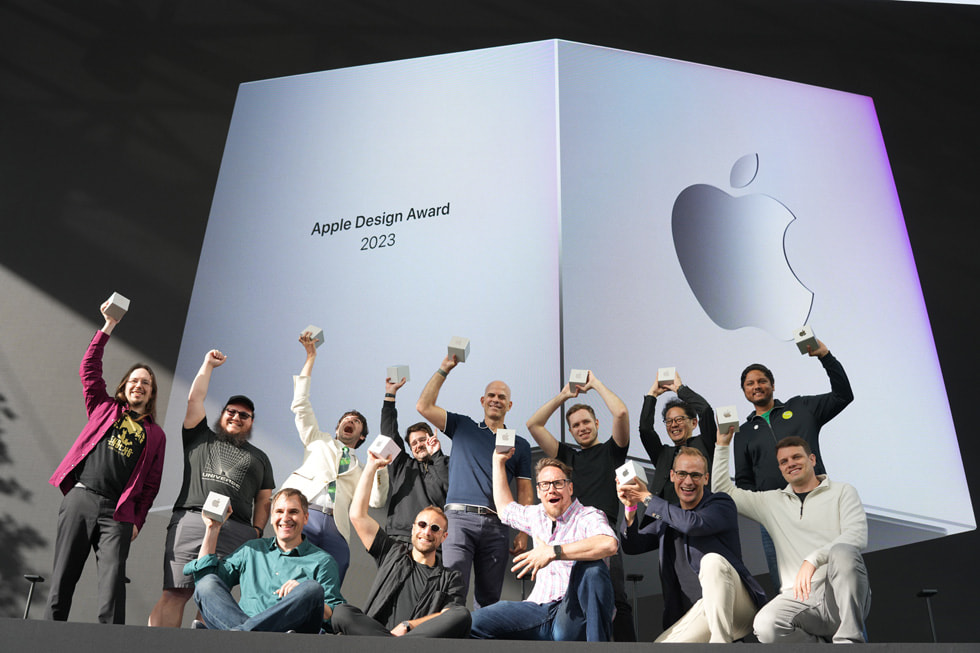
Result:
pixel 819 528
pixel 330 470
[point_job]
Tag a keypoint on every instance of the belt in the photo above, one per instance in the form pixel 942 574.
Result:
pixel 82 486
pixel 465 507
pixel 323 509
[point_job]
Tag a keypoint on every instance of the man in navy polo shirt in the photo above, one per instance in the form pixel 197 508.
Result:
pixel 477 538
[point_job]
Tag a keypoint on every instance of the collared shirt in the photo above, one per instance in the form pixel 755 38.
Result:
pixel 577 523
pixel 470 469
pixel 261 568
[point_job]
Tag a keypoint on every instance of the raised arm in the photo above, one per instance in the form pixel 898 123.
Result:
pixel 706 418
pixel 831 404
pixel 536 425
pixel 110 322
pixel 430 394
pixel 389 413
pixel 648 417
pixel 620 414
pixel 748 502
pixel 310 348
pixel 365 525
pixel 199 388
pixel 502 495
pixel 90 370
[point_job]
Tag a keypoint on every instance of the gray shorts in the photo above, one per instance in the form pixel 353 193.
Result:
pixel 184 536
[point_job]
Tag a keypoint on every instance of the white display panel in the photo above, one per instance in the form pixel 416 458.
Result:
pixel 552 170
pixel 820 219
pixel 475 132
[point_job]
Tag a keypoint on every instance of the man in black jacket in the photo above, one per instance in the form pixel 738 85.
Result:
pixel 681 416
pixel 417 480
pixel 413 594
pixel 772 420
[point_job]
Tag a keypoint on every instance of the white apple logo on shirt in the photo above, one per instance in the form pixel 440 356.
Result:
pixel 732 253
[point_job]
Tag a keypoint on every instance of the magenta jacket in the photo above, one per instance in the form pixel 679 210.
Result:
pixel 103 411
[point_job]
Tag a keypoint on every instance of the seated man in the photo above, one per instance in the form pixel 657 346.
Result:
pixel 287 584
pixel 819 528
pixel 709 594
pixel 572 599
pixel 412 595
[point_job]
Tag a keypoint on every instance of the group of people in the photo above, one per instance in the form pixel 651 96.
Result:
pixel 449 516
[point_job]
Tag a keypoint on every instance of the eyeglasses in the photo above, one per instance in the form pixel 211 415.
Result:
pixel 241 413
pixel 675 420
pixel 695 476
pixel 558 485
pixel 435 528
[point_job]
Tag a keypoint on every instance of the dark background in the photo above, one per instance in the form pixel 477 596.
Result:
pixel 113 117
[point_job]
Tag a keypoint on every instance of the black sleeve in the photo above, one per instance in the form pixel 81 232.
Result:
pixel 827 406
pixel 706 420
pixel 648 435
pixel 190 434
pixel 389 422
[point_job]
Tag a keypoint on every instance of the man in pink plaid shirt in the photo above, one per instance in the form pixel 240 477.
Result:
pixel 572 599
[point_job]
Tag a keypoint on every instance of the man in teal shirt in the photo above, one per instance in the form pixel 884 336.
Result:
pixel 287 584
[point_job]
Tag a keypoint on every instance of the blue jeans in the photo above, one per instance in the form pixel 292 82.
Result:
pixel 300 610
pixel 770 550
pixel 321 529
pixel 584 614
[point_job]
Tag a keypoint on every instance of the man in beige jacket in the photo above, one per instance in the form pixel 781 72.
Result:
pixel 330 470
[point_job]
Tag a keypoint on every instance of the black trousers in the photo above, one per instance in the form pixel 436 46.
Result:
pixel 348 620
pixel 85 524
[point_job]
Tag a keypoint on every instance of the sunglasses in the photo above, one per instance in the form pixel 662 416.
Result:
pixel 241 413
pixel 435 528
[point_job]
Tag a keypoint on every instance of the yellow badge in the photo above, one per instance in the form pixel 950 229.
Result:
pixel 788 414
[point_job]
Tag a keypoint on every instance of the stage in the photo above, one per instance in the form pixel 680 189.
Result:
pixel 41 635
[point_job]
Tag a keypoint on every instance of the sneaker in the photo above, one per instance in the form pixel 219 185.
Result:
pixel 198 625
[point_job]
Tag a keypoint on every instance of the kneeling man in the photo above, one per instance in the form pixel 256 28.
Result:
pixel 287 584
pixel 709 594
pixel 413 594
pixel 572 599
pixel 819 528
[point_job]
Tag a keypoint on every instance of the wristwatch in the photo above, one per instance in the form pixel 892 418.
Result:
pixel 407 624
pixel 558 552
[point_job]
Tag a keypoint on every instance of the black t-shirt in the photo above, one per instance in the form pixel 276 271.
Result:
pixel 107 468
pixel 210 465
pixel 409 595
pixel 594 475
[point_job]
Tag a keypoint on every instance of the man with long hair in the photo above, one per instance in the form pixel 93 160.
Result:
pixel 109 478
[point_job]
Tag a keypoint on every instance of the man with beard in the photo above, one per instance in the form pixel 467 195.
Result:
pixel 221 461
pixel 709 594
pixel 572 599
pixel 412 595
pixel 418 480
pixel 593 470
pixel 330 470
pixel 109 477
pixel 287 584
pixel 681 416
pixel 772 420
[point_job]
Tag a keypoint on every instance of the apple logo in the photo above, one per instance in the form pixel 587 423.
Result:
pixel 732 253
